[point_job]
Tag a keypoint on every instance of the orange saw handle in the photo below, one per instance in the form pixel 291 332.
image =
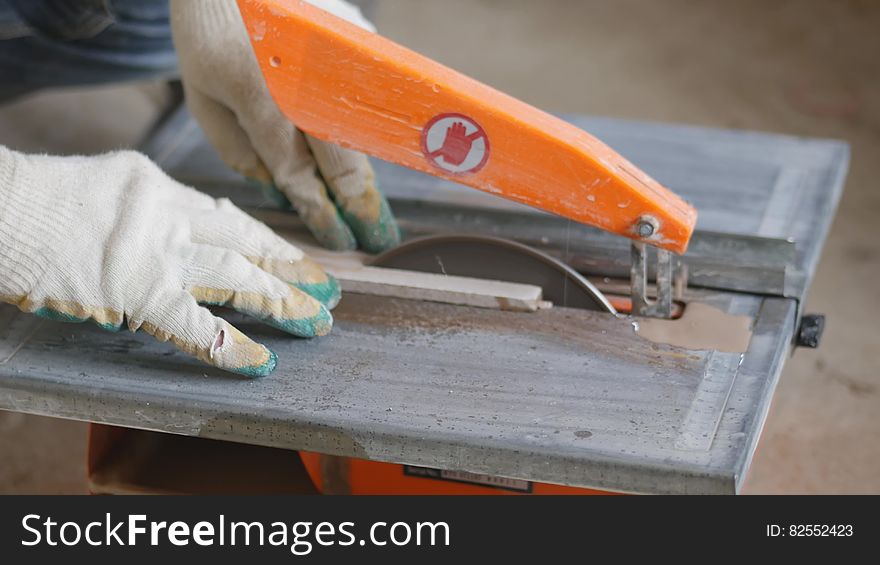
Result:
pixel 354 88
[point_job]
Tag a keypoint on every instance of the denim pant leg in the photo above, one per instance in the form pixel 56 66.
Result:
pixel 55 43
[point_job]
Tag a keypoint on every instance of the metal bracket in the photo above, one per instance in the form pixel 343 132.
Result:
pixel 641 305
pixel 810 331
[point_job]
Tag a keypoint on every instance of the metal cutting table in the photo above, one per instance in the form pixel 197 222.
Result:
pixel 561 395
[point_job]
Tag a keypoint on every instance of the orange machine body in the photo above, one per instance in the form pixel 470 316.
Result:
pixel 345 475
pixel 351 87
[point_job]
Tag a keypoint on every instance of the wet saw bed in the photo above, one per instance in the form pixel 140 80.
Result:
pixel 559 395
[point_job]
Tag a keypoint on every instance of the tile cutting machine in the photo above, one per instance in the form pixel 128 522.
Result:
pixel 609 383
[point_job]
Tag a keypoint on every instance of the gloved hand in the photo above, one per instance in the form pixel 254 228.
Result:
pixel 333 189
pixel 113 239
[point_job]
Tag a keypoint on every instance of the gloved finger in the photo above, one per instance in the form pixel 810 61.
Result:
pixel 222 277
pixel 223 131
pixel 346 11
pixel 352 182
pixel 229 227
pixel 175 316
pixel 287 156
pixel 68 311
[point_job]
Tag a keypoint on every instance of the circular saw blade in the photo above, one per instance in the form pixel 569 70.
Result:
pixel 499 259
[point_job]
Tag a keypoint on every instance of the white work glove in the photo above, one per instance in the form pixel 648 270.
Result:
pixel 333 189
pixel 113 239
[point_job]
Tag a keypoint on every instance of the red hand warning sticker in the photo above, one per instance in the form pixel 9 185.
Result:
pixel 455 144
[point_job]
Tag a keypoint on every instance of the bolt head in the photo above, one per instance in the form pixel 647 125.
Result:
pixel 645 228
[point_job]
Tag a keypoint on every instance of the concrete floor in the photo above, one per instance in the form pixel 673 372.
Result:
pixel 798 67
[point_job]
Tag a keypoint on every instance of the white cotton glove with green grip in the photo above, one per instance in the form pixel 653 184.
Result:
pixel 113 239
pixel 333 189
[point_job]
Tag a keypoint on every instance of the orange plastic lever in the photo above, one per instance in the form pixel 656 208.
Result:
pixel 351 87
